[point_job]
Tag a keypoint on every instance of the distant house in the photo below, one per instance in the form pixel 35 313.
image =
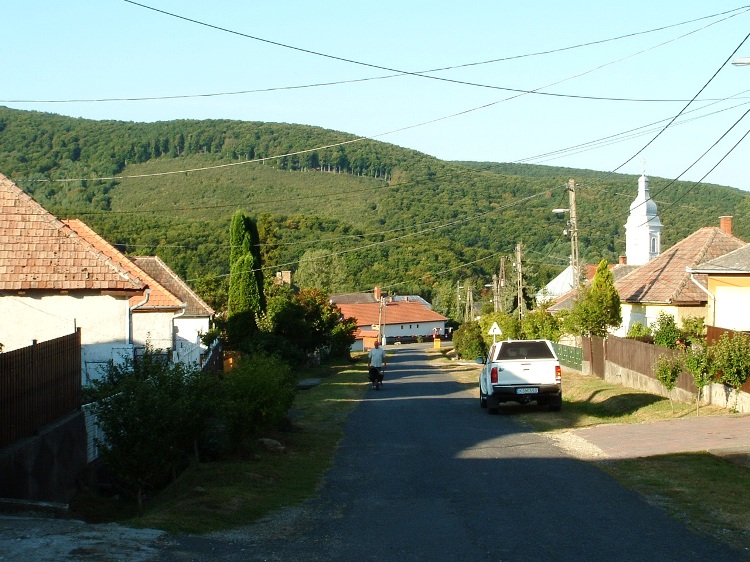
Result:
pixel 665 283
pixel 401 318
pixel 726 282
pixel 56 276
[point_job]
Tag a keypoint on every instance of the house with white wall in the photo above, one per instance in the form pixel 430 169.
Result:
pixel 57 276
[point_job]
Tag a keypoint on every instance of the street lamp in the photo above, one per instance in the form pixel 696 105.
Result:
pixel 741 61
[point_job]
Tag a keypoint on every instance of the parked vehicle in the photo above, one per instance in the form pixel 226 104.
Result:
pixel 520 371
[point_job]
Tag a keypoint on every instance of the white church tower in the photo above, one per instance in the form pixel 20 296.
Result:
pixel 643 228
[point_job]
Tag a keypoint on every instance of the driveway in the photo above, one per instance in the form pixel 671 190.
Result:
pixel 424 474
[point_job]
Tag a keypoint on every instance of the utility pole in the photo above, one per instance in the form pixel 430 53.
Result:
pixel 501 285
pixel 469 304
pixel 458 300
pixel 519 269
pixel 574 235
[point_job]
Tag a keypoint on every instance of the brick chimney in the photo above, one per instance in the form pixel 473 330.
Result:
pixel 725 223
pixel 377 293
pixel 623 260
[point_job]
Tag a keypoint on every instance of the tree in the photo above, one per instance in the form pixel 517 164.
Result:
pixel 243 301
pixel 319 269
pixel 597 308
pixel 732 356
pixel 700 364
pixel 667 369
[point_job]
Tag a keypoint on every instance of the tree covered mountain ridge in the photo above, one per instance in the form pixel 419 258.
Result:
pixel 371 212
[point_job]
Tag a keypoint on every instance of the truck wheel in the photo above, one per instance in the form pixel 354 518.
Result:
pixel 482 398
pixel 555 403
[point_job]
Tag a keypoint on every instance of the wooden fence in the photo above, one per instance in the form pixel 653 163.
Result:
pixel 38 385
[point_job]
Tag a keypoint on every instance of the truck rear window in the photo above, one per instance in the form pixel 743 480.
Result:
pixel 525 350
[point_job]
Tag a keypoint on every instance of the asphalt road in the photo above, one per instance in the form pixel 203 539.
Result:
pixel 424 474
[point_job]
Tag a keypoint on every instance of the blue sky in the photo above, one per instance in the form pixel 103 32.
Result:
pixel 96 49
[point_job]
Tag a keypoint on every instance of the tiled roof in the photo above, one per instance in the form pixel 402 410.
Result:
pixel 353 298
pixel 399 312
pixel 39 252
pixel 159 298
pixel 737 261
pixel 169 279
pixel 665 279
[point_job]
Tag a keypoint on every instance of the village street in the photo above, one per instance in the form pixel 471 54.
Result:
pixel 424 474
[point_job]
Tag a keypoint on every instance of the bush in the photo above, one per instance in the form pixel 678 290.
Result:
pixel 666 332
pixel 151 411
pixel 667 370
pixel 732 356
pixel 469 342
pixel 257 394
pixel 639 331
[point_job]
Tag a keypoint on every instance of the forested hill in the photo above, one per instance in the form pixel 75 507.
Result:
pixel 360 213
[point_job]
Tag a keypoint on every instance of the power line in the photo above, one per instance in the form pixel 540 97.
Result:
pixel 420 73
pixel 688 104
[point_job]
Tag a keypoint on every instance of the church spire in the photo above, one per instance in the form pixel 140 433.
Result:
pixel 643 227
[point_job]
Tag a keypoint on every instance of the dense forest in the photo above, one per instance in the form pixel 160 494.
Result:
pixel 370 212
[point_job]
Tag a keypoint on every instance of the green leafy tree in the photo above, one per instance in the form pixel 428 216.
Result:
pixel 319 269
pixel 540 324
pixel 597 308
pixel 732 356
pixel 700 364
pixel 667 370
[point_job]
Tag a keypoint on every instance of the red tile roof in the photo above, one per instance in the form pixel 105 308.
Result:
pixel 39 252
pixel 664 279
pixel 159 298
pixel 399 312
pixel 159 270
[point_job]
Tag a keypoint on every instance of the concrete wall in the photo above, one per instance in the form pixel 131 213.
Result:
pixel 45 467
pixel 716 394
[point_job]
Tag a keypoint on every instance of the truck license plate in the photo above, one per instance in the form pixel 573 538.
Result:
pixel 530 390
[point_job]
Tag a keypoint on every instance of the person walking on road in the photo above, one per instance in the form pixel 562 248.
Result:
pixel 376 363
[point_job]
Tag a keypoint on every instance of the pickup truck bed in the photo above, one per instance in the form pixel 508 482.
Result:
pixel 520 371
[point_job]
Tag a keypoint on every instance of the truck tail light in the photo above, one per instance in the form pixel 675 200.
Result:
pixel 558 374
pixel 493 375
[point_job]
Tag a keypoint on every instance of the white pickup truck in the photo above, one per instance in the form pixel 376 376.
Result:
pixel 520 371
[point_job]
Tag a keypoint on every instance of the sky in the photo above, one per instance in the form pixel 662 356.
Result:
pixel 449 79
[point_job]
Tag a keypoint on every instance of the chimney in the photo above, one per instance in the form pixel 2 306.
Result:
pixel 377 294
pixel 623 260
pixel 725 223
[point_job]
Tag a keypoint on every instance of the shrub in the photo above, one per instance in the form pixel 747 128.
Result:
pixel 257 394
pixel 700 364
pixel 638 331
pixel 666 332
pixel 469 342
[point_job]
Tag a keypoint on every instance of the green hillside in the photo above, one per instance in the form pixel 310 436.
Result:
pixel 392 217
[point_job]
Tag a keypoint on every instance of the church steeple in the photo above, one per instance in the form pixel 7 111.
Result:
pixel 643 227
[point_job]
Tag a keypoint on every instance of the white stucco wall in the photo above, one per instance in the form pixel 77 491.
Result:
pixel 188 346
pixel 103 321
pixel 392 331
pixel 731 308
pixel 153 328
pixel 647 314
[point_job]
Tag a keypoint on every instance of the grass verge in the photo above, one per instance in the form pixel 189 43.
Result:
pixel 709 494
pixel 233 492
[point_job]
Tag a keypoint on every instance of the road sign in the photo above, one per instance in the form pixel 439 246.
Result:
pixel 495 330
